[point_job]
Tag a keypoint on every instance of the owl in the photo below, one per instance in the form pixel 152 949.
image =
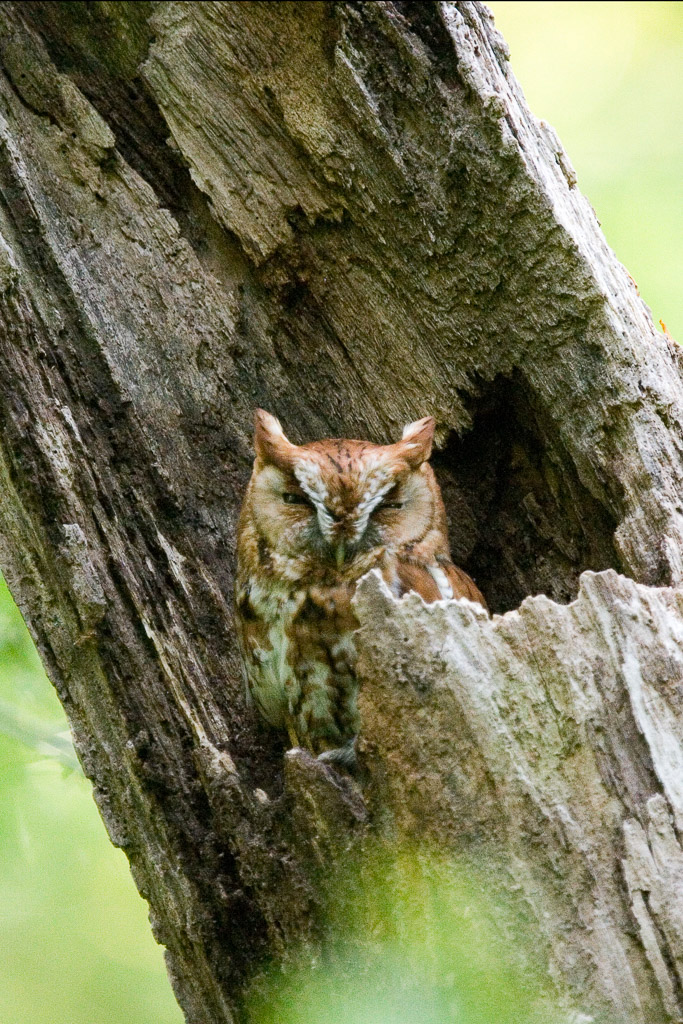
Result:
pixel 316 517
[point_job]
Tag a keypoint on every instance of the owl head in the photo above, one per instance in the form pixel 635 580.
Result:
pixel 341 498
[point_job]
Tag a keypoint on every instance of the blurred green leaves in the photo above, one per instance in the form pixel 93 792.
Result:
pixel 76 945
pixel 413 939
pixel 33 733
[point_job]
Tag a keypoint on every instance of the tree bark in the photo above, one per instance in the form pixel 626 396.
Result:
pixel 346 214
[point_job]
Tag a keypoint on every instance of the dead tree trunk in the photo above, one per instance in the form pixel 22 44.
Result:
pixel 345 213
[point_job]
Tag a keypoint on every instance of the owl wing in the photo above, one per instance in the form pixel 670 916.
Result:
pixel 437 581
pixel 463 585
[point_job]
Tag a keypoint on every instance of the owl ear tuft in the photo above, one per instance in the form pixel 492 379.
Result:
pixel 270 442
pixel 415 445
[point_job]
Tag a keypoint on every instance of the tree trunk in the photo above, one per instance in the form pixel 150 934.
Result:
pixel 344 213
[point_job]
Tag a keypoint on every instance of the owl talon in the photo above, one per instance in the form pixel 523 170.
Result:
pixel 293 738
pixel 345 756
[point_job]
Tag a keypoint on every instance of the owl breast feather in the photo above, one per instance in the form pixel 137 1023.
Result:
pixel 299 657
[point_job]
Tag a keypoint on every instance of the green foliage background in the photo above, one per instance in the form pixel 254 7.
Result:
pixel 76 947
pixel 609 78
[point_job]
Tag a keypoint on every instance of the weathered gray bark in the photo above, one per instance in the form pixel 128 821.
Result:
pixel 345 213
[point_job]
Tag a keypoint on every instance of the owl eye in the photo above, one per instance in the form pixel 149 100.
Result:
pixel 390 500
pixel 290 498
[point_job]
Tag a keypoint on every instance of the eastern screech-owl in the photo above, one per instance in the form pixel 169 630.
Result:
pixel 316 517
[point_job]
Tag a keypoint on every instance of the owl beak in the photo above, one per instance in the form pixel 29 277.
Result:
pixel 340 553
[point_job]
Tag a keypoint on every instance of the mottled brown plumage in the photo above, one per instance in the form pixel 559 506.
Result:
pixel 316 517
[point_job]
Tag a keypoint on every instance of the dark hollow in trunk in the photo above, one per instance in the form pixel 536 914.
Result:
pixel 521 522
